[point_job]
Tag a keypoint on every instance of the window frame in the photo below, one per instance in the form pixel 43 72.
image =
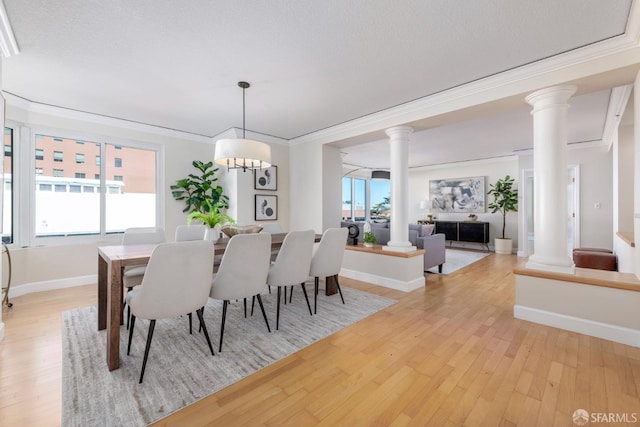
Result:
pixel 24 185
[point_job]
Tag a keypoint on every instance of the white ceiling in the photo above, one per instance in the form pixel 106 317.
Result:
pixel 311 64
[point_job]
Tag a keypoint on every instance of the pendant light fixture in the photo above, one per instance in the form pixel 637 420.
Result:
pixel 235 153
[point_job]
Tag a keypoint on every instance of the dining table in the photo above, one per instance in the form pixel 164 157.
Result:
pixel 111 263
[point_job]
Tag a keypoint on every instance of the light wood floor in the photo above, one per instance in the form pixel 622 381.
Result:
pixel 449 354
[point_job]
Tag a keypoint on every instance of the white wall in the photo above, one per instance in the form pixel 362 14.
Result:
pixel 331 187
pixel 305 198
pixel 492 170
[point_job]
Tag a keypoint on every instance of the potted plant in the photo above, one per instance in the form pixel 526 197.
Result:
pixel 212 218
pixel 369 239
pixel 505 200
pixel 197 190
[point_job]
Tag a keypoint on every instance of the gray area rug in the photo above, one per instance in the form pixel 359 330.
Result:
pixel 180 369
pixel 457 259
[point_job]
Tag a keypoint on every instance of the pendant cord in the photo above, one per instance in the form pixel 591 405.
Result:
pixel 243 114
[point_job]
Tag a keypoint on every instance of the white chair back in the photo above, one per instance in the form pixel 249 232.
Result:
pixel 177 280
pixel 186 233
pixel 291 267
pixel 244 267
pixel 142 235
pixel 327 259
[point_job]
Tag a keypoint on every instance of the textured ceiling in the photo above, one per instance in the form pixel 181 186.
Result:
pixel 312 64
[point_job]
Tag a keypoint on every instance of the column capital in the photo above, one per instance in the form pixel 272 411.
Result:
pixel 398 131
pixel 548 97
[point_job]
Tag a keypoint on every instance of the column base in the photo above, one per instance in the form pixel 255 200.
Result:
pixel 557 265
pixel 399 247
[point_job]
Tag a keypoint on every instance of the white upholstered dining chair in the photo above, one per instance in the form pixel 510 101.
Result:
pixel 327 259
pixel 292 264
pixel 177 281
pixel 242 273
pixel 189 232
pixel 132 275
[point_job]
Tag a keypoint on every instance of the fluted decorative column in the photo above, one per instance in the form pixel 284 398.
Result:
pixel 550 179
pixel 399 156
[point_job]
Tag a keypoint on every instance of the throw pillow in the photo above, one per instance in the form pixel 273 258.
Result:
pixel 427 229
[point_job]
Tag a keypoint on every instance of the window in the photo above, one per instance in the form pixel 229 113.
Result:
pixel 80 142
pixel 7 202
pixel 353 199
pixel 357 198
pixel 39 154
pixel 65 206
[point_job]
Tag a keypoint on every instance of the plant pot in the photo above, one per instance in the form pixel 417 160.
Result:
pixel 368 245
pixel 503 246
pixel 212 234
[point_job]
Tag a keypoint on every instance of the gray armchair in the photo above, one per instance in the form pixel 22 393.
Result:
pixel 434 250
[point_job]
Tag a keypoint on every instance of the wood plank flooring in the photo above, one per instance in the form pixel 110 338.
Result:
pixel 447 355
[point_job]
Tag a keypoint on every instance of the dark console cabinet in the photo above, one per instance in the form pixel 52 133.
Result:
pixel 464 231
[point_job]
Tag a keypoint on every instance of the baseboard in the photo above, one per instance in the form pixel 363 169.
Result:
pixel 384 281
pixel 49 285
pixel 605 331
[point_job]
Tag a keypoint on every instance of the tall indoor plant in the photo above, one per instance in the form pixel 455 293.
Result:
pixel 505 200
pixel 200 192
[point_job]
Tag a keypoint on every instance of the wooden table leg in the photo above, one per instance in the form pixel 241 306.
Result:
pixel 102 293
pixel 331 285
pixel 114 315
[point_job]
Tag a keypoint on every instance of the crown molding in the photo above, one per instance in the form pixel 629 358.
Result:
pixel 617 104
pixel 8 43
pixel 607 55
pixel 50 110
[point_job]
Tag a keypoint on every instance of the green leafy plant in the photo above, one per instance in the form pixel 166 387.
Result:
pixel 212 217
pixel 200 192
pixel 505 199
pixel 369 237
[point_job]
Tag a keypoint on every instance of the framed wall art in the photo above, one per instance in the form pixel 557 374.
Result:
pixel 464 195
pixel 266 207
pixel 266 179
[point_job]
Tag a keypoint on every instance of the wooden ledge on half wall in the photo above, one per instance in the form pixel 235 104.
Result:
pixel 587 276
pixel 377 249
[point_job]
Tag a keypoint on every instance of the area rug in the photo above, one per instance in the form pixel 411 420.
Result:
pixel 457 259
pixel 180 369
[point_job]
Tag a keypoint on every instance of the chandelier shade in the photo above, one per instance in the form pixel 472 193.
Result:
pixel 379 174
pixel 242 153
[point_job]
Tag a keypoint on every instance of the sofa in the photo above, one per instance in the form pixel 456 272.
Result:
pixel 421 236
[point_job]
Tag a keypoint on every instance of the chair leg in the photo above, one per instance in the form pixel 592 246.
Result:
pixel 200 327
pixel 278 309
pixel 128 315
pixel 264 314
pixel 440 269
pixel 133 324
pixel 307 298
pixel 224 316
pixel 285 294
pixel 290 294
pixel 244 301
pixel 339 290
pixel 204 328
pixel 191 324
pixel 253 302
pixel 316 283
pixel 152 326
